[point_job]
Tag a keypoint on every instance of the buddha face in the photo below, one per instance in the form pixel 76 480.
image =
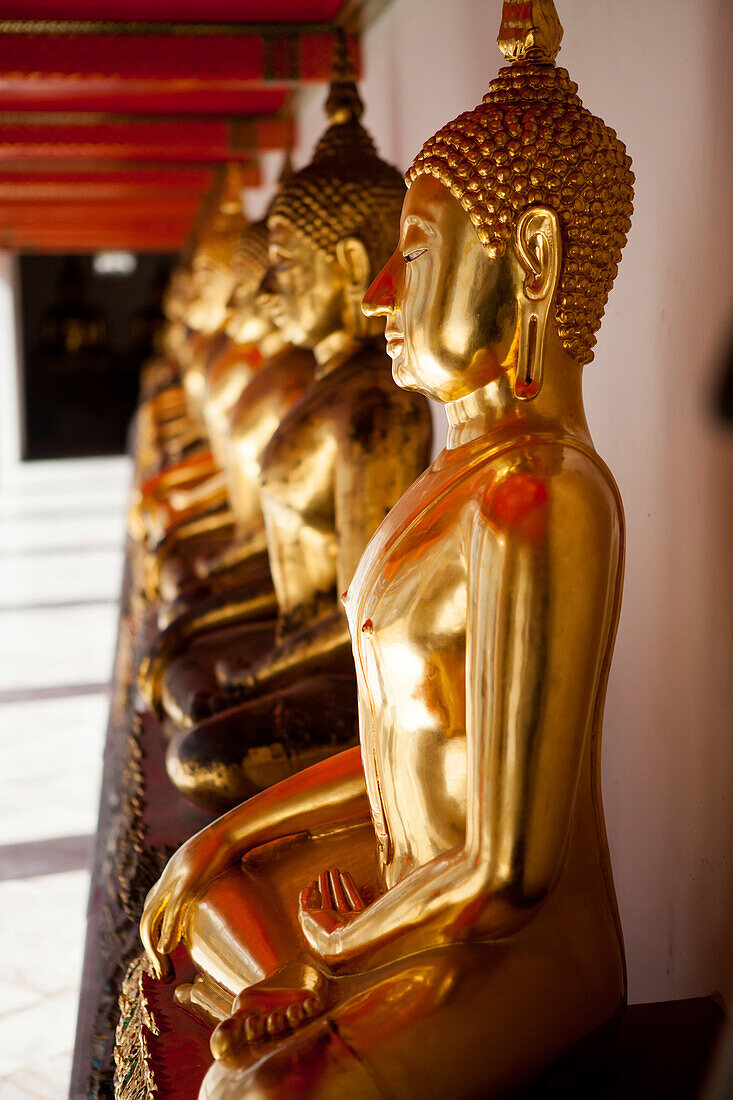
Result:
pixel 451 309
pixel 249 312
pixel 307 288
pixel 212 288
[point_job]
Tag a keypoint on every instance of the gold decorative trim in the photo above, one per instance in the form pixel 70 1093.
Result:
pixel 134 1078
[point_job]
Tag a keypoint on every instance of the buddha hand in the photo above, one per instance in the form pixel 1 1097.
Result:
pixel 326 906
pixel 185 877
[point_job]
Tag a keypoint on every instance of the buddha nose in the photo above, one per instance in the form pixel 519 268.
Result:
pixel 379 300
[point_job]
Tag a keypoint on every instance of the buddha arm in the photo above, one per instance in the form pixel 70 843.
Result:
pixel 176 445
pixel 243 548
pixel 252 603
pixel 543 585
pixel 189 469
pixel 212 521
pixel 326 795
pixel 371 474
pixel 175 427
pixel 381 451
pixel 300 655
pixel 204 491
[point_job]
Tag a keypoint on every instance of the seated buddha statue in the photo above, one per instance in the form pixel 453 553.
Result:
pixel 239 430
pixel 433 913
pixel 203 556
pixel 215 370
pixel 339 461
pixel 161 392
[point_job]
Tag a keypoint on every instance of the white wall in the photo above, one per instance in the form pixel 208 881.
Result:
pixel 660 72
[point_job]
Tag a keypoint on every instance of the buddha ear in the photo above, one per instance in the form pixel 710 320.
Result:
pixel 353 259
pixel 538 248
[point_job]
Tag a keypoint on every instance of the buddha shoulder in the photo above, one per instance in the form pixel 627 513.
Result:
pixel 272 391
pixel 545 490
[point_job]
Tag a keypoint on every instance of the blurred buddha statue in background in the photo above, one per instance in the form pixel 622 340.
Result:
pixel 338 462
pixel 213 369
pixel 203 555
pixel 437 917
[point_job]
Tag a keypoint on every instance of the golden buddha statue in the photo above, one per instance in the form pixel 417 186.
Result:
pixel 239 430
pixel 336 465
pixel 215 552
pixel 437 917
pixel 214 372
pixel 160 374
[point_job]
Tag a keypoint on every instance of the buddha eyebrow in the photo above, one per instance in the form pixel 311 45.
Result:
pixel 416 220
pixel 412 221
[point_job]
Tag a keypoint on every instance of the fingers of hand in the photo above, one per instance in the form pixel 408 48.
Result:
pixel 338 893
pixel 310 897
pixel 351 891
pixel 170 932
pixel 324 886
pixel 149 924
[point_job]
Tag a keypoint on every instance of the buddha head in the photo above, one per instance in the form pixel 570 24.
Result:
pixel 333 224
pixel 249 318
pixel 511 231
pixel 250 306
pixel 212 277
pixel 177 293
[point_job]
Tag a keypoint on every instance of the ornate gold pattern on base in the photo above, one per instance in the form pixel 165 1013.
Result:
pixel 134 1077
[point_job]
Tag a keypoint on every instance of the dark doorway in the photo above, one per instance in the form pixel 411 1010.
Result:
pixel 88 324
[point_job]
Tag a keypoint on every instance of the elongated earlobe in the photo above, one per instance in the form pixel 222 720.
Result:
pixel 353 257
pixel 538 248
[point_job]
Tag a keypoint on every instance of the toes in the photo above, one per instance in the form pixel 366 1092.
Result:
pixel 254 1028
pixel 229 1036
pixel 311 1007
pixel 276 1022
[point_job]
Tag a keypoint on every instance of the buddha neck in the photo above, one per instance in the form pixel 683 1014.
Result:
pixel 494 408
pixel 334 350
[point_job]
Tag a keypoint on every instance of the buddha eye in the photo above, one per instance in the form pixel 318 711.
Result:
pixel 410 256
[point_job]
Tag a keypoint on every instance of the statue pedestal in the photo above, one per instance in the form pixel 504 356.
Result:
pixel 660 1050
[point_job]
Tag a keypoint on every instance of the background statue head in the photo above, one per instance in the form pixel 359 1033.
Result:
pixel 334 223
pixel 248 321
pixel 213 278
pixel 250 306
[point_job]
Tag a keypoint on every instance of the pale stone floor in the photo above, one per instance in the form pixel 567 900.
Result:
pixel 61 558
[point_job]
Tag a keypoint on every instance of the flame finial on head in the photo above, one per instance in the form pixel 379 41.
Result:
pixel 286 170
pixel 530 32
pixel 347 190
pixel 230 199
pixel 344 102
pixel 221 229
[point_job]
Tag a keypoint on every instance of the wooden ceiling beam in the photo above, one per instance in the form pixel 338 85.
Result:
pixel 80 186
pixel 143 140
pixel 157 72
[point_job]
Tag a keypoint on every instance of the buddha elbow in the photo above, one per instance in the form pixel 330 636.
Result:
pixel 504 901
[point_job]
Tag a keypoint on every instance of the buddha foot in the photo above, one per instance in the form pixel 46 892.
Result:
pixel 263 1014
